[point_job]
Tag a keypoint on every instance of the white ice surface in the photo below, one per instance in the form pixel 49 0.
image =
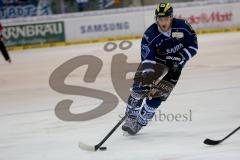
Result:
pixel 209 86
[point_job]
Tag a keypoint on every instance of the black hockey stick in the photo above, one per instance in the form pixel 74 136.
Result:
pixel 216 142
pixel 97 146
pixel 4 51
pixel 87 147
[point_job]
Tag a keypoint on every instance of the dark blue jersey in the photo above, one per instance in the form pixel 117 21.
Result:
pixel 181 40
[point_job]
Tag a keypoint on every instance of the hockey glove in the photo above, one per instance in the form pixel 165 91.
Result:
pixel 175 61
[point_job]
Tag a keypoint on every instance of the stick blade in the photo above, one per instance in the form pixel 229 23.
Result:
pixel 86 147
pixel 211 142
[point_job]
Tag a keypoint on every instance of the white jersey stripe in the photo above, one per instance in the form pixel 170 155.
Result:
pixel 188 53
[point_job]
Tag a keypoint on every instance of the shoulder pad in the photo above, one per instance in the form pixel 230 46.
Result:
pixel 151 32
pixel 183 23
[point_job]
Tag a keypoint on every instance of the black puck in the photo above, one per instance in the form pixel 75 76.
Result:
pixel 103 148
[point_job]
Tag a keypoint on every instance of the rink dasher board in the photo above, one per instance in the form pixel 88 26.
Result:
pixel 210 18
pixel 102 40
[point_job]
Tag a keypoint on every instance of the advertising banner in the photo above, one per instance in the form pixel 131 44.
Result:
pixel 38 33
pixel 205 17
pixel 107 26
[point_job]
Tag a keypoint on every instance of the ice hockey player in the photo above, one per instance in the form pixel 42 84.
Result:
pixel 165 48
pixel 2 46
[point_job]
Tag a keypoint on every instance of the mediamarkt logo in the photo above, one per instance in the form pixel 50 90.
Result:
pixel 33 30
pixel 209 17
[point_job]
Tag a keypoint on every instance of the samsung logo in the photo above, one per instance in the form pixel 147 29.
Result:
pixel 107 27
